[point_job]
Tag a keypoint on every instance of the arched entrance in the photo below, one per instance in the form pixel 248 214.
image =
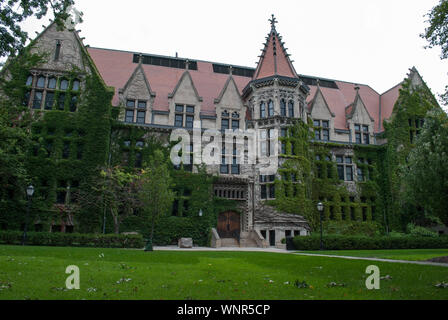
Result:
pixel 229 225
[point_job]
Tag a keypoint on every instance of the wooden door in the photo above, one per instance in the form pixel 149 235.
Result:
pixel 229 225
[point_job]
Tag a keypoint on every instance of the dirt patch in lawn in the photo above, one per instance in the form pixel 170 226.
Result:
pixel 439 259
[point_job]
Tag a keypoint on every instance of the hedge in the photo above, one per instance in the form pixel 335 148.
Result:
pixel 169 230
pixel 73 239
pixel 369 243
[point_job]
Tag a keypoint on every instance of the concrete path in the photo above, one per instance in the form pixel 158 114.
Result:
pixel 424 263
pixel 234 249
pixel 275 250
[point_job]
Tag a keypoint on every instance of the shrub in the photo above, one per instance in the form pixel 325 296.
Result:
pixel 352 228
pixel 418 231
pixel 171 229
pixel 73 239
pixel 335 242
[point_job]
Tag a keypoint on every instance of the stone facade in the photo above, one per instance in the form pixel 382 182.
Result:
pixel 158 97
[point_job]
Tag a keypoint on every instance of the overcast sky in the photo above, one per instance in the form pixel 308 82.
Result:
pixel 367 42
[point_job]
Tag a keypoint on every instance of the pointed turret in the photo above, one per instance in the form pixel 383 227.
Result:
pixel 274 60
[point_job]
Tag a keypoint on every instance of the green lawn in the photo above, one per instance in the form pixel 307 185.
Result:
pixel 39 273
pixel 410 255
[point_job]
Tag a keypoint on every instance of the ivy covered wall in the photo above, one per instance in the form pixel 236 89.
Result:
pixel 401 130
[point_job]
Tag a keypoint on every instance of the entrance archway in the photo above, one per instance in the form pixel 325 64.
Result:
pixel 229 225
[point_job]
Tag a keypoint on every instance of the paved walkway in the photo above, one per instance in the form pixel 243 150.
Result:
pixel 176 248
pixel 425 263
pixel 275 250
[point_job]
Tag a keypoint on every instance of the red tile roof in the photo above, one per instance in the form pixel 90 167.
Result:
pixel 116 67
pixel 388 100
pixel 271 64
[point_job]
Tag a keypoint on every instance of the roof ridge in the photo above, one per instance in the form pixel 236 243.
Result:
pixel 173 57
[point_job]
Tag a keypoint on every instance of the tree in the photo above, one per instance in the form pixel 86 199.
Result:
pixel 13 12
pixel 113 190
pixel 427 178
pixel 155 193
pixel 437 32
pixel 15 121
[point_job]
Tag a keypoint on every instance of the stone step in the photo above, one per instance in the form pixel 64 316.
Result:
pixel 248 243
pixel 229 242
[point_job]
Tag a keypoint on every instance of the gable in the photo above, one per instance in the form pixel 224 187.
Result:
pixel 70 50
pixel 138 86
pixel 358 112
pixel 319 107
pixel 185 90
pixel 230 96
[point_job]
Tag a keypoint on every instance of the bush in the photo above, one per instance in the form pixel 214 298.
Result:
pixel 169 230
pixel 418 231
pixel 73 239
pixel 335 242
pixel 352 228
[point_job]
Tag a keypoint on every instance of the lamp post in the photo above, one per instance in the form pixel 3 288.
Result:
pixel 29 193
pixel 320 208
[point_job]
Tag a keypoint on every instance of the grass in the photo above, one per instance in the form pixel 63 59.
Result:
pixel 409 255
pixel 39 273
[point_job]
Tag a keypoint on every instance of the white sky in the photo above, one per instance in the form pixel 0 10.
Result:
pixel 369 42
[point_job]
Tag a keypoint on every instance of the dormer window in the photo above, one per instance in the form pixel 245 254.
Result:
pixel 180 115
pixel 130 104
pixel 225 120
pixel 141 104
pixel 129 116
pixel 322 130
pixel 235 120
pixel 362 134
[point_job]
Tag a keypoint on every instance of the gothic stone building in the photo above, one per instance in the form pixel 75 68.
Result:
pixel 163 93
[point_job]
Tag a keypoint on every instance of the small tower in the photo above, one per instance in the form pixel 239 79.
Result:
pixel 276 94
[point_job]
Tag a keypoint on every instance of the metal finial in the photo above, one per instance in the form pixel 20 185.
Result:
pixel 273 21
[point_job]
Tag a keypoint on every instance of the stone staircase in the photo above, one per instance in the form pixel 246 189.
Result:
pixel 252 239
pixel 229 243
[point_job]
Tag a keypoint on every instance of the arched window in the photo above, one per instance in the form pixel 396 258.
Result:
pixel 29 80
pixel 283 107
pixel 40 82
pixel 271 108
pixel 64 84
pixel 52 83
pixel 291 109
pixel 263 110
pixel 75 85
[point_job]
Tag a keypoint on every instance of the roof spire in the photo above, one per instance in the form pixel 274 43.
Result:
pixel 273 21
pixel 274 60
